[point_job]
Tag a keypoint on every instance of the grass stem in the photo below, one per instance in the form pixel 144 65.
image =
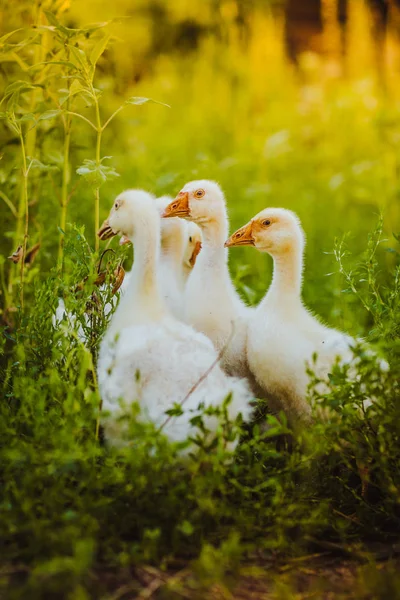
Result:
pixel 97 190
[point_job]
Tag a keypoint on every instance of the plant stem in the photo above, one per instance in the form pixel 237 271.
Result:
pixel 64 181
pixel 25 173
pixel 28 150
pixel 64 190
pixel 75 114
pixel 97 190
pixel 112 116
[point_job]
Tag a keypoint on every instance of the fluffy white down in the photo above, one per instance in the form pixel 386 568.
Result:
pixel 211 306
pixel 281 344
pixel 144 338
pixel 171 358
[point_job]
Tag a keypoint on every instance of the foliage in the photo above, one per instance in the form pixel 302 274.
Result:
pixel 74 510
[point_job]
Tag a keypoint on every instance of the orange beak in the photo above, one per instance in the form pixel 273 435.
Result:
pixel 241 237
pixel 195 253
pixel 178 207
pixel 105 232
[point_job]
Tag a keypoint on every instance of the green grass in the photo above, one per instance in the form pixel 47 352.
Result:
pixel 76 517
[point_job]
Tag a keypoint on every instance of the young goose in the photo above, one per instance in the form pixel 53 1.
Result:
pixel 283 335
pixel 212 304
pixel 181 244
pixel 147 355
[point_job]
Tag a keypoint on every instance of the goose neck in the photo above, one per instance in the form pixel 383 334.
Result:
pixel 285 289
pixel 142 300
pixel 214 234
pixel 172 248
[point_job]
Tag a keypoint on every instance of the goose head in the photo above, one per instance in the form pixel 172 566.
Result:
pixel 193 245
pixel 277 231
pixel 130 213
pixel 201 201
pixel 173 231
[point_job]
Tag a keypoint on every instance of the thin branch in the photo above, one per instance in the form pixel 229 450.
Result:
pixel 112 116
pixel 9 204
pixel 101 257
pixel 73 190
pixel 83 118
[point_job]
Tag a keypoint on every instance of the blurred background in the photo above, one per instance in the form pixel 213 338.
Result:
pixel 290 103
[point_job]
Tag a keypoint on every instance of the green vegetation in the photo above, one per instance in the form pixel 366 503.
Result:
pixel 80 520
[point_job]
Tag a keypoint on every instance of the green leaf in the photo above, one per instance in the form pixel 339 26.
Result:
pixel 80 57
pixel 175 411
pixel 18 86
pixel 5 37
pixel 34 163
pixel 52 19
pixel 138 100
pixel 77 88
pixel 63 63
pixel 95 174
pixel 27 117
pixel 49 114
pixel 186 528
pixel 99 49
pixel 55 157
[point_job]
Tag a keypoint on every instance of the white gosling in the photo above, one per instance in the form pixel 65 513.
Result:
pixel 283 335
pixel 180 246
pixel 212 304
pixel 144 338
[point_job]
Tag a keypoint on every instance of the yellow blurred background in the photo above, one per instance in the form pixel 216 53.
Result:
pixel 290 103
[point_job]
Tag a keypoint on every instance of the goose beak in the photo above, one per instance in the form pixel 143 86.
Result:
pixel 241 237
pixel 105 232
pixel 195 253
pixel 178 207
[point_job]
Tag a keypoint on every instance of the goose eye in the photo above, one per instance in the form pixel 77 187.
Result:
pixel 116 205
pixel 266 223
pixel 199 193
pixel 190 239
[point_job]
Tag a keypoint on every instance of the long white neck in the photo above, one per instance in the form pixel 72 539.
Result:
pixel 213 253
pixel 285 290
pixel 171 259
pixel 142 301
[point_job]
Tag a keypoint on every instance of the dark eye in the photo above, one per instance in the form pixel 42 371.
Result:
pixel 199 193
pixel 190 239
pixel 266 222
pixel 116 205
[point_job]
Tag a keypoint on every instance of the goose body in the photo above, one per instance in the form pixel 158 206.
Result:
pixel 283 336
pixel 212 305
pixel 147 355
